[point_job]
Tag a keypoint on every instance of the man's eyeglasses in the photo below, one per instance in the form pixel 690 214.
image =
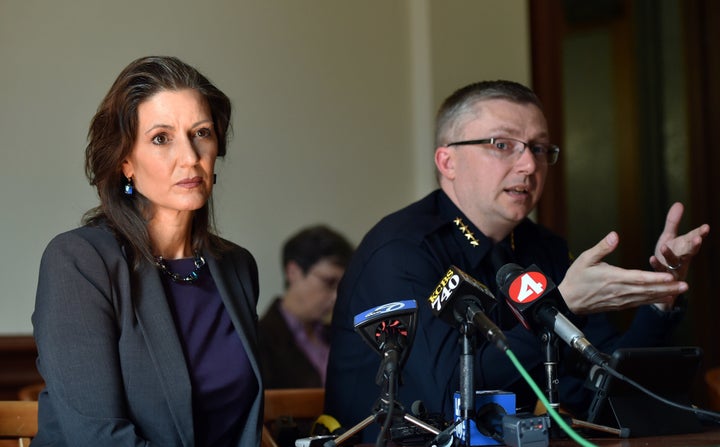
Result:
pixel 511 149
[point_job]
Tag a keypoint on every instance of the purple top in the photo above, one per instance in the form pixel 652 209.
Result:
pixel 223 383
pixel 317 348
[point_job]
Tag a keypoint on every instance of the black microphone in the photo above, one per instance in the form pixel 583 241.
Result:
pixel 537 303
pixel 389 329
pixel 459 298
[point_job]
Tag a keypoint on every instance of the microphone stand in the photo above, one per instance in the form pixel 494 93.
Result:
pixel 467 384
pixel 386 410
pixel 550 348
pixel 551 351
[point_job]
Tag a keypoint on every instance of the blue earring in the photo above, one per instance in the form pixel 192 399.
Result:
pixel 129 187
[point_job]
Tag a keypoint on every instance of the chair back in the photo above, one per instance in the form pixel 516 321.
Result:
pixel 298 403
pixel 18 421
pixel 712 383
pixel 31 392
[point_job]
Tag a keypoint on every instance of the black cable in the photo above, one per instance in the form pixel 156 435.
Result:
pixel 381 441
pixel 715 417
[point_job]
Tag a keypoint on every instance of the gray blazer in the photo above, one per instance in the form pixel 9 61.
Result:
pixel 108 350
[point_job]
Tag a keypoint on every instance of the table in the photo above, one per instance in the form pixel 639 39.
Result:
pixel 709 438
pixel 704 439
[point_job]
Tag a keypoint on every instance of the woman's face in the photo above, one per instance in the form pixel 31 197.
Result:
pixel 173 158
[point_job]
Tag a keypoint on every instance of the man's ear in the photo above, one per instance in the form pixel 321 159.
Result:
pixel 445 158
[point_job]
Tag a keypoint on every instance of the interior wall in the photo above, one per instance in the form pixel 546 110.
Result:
pixel 472 42
pixel 333 108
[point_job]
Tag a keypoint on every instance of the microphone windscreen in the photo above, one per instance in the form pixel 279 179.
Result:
pixel 418 409
pixel 506 272
pixel 326 425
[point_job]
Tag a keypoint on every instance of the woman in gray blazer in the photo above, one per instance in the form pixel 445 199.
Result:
pixel 145 320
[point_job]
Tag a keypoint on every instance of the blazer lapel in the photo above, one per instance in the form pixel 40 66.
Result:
pixel 239 303
pixel 235 287
pixel 155 320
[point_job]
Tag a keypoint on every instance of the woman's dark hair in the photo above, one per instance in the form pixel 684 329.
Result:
pixel 112 135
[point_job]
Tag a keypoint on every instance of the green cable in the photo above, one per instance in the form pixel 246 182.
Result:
pixel 566 428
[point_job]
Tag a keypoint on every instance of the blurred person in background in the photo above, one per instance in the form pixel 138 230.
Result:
pixel 293 333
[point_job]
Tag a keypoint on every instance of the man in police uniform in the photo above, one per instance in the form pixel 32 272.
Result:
pixel 492 156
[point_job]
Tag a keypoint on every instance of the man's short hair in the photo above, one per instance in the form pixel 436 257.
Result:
pixel 464 99
pixel 314 244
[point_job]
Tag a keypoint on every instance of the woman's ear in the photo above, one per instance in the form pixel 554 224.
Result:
pixel 127 169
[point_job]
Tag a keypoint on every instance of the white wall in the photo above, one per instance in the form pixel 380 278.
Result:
pixel 333 108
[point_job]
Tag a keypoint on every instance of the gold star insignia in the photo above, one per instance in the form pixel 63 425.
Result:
pixel 465 230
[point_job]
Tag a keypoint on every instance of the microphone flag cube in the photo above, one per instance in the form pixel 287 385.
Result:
pixel 490 407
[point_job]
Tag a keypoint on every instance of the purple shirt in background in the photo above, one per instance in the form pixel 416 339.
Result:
pixel 316 349
pixel 223 383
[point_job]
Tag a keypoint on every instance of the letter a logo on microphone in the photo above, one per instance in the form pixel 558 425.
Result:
pixel 527 287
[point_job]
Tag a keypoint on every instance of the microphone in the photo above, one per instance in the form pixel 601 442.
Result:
pixel 460 298
pixel 537 303
pixel 389 329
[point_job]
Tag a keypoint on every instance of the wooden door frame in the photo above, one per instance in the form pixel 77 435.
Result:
pixel 702 47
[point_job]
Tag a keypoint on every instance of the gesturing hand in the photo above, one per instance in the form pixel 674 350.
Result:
pixel 673 253
pixel 592 285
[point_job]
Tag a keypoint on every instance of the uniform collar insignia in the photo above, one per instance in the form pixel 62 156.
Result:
pixel 471 237
pixel 466 232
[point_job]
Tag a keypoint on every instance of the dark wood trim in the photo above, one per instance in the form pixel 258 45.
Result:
pixel 17 357
pixel 546 33
pixel 702 47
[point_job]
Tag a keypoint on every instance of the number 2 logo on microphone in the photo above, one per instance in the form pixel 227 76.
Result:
pixel 527 287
